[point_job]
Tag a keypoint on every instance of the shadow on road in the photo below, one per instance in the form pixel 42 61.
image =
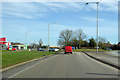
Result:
pixel 64 54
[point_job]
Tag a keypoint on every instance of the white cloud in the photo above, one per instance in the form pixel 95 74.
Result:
pixel 23 10
pixel 54 5
pixel 92 19
pixel 19 15
pixel 110 6
pixel 59 0
pixel 62 6
pixel 26 10
pixel 74 5
pixel 105 6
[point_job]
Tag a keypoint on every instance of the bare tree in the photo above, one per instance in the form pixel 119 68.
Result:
pixel 101 41
pixel 40 42
pixel 34 45
pixel 80 35
pixel 60 42
pixel 65 37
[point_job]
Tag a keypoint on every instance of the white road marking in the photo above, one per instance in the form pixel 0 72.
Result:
pixel 56 55
pixel 28 68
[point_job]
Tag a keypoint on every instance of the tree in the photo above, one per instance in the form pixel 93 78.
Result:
pixel 40 42
pixel 101 41
pixel 60 42
pixel 118 43
pixel 74 43
pixel 80 35
pixel 65 37
pixel 34 45
pixel 84 44
pixel 92 42
pixel 106 45
pixel 44 46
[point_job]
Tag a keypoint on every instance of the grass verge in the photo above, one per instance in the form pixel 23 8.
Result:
pixel 9 59
pixel 5 50
pixel 79 50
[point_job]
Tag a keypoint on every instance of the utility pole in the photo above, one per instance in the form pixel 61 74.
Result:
pixel 97 27
pixel 26 39
pixel 49 34
pixel 97 24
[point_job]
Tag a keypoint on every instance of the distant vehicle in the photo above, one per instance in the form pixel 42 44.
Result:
pixel 73 47
pixel 11 48
pixel 68 49
pixel 54 49
pixel 108 49
pixel 40 49
pixel 51 49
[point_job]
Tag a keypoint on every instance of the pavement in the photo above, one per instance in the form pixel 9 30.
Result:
pixel 76 65
pixel 105 56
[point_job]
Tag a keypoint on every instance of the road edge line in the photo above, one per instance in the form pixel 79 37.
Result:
pixel 22 63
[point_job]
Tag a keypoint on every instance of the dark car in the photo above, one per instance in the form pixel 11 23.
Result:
pixel 40 49
pixel 51 49
pixel 54 49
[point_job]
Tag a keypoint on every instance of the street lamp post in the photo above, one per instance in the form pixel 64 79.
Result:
pixel 48 33
pixel 97 24
pixel 97 27
pixel 26 39
pixel 48 36
pixel 25 36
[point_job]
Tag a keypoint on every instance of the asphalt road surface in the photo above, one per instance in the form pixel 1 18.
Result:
pixel 76 65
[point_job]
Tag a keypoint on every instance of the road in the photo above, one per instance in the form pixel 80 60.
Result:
pixel 116 53
pixel 76 65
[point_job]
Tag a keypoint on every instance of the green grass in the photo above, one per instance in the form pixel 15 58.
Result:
pixel 9 59
pixel 5 50
pixel 79 50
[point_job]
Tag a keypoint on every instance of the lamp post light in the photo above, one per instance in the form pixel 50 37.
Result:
pixel 97 23
pixel 26 39
pixel 48 33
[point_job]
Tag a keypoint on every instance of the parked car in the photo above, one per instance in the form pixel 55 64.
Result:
pixel 108 49
pixel 11 48
pixel 40 49
pixel 54 49
pixel 68 49
pixel 51 49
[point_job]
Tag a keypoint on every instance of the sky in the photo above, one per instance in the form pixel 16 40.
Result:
pixel 34 17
